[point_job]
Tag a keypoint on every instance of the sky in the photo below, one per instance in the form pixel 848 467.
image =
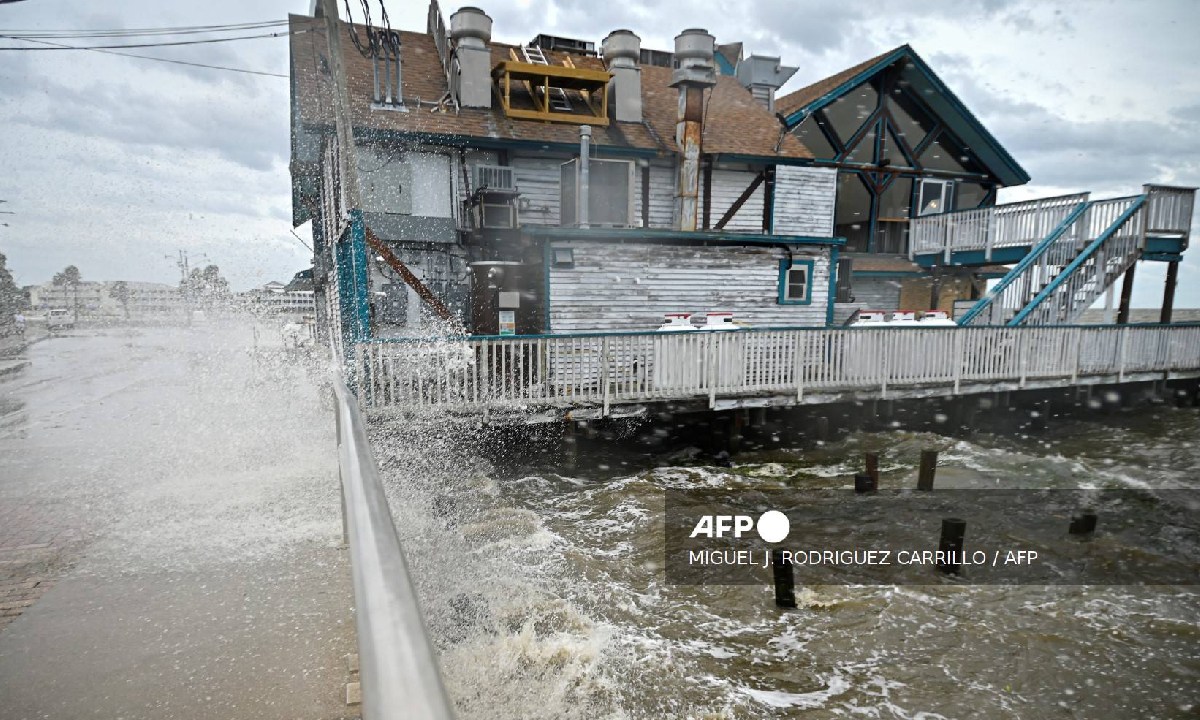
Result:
pixel 116 164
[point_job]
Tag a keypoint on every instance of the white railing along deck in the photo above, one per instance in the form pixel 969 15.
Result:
pixel 1019 224
pixel 605 370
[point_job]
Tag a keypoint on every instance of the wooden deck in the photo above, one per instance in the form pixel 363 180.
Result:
pixel 544 378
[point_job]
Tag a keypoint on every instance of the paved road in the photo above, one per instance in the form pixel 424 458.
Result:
pixel 169 527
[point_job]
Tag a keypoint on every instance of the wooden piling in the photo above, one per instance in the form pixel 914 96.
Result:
pixel 785 580
pixel 865 483
pixel 950 544
pixel 871 461
pixel 928 469
pixel 1083 524
pixel 823 428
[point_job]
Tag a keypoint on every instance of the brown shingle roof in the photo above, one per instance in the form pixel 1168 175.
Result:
pixel 734 122
pixel 792 102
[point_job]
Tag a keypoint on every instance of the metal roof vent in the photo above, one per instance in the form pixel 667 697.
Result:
pixel 694 53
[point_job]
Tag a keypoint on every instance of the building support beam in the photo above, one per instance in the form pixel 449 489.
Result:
pixel 1126 296
pixel 1168 303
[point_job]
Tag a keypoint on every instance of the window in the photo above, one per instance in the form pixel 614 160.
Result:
pixel 795 282
pixel 935 197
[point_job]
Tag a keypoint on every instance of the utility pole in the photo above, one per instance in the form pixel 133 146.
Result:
pixel 347 158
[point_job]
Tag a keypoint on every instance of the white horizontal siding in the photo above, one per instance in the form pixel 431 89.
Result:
pixel 630 287
pixel 804 201
pixel 727 187
pixel 538 182
pixel 662 196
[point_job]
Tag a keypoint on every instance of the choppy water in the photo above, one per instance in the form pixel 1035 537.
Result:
pixel 546 592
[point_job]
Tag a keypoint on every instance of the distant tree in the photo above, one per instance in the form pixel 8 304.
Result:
pixel 10 294
pixel 206 286
pixel 120 291
pixel 69 278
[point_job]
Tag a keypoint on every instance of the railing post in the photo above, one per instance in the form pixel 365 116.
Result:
pixel 1077 334
pixel 798 365
pixel 1124 337
pixel 1021 354
pixel 958 358
pixel 711 368
pixel 604 376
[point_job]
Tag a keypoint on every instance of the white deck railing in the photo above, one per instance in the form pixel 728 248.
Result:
pixel 605 370
pixel 1169 209
pixel 1020 224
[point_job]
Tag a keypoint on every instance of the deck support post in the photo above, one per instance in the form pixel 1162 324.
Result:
pixel 1126 296
pixel 1168 303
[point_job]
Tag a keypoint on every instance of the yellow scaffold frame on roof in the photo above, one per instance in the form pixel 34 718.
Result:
pixel 548 77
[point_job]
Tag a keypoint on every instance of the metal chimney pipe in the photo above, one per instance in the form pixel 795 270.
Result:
pixel 585 142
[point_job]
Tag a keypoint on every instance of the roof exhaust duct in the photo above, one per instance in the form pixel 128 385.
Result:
pixel 694 52
pixel 763 75
pixel 470 68
pixel 622 49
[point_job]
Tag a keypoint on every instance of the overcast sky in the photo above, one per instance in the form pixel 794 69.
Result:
pixel 114 164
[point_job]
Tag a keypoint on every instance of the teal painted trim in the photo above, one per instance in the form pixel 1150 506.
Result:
pixel 723 65
pixel 1000 256
pixel 889 273
pixel 491 143
pixel 1077 262
pixel 1015 174
pixel 1162 257
pixel 831 290
pixel 361 278
pixel 760 159
pixel 1040 249
pixel 652 235
pixel 1172 245
pixel 784 266
pixel 766 328
pixel 800 114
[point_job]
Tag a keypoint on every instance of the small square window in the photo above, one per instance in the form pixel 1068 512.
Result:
pixel 564 257
pixel 795 282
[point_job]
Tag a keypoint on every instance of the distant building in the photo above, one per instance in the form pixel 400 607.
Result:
pixel 101 301
pixel 275 299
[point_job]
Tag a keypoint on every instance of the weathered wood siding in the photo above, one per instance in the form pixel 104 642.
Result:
pixel 662 196
pixel 804 201
pixel 538 181
pixel 727 187
pixel 630 287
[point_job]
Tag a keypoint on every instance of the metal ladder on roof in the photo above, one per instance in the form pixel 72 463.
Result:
pixel 558 97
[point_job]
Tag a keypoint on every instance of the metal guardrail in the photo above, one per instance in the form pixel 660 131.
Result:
pixel 398 667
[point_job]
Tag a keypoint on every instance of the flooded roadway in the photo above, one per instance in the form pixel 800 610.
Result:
pixel 546 587
pixel 169 518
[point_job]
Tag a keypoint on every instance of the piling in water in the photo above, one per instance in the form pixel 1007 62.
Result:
pixel 928 469
pixel 865 483
pixel 871 460
pixel 823 428
pixel 785 580
pixel 950 545
pixel 1083 524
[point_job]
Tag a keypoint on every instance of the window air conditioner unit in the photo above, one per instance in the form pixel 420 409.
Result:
pixel 610 193
pixel 499 216
pixel 494 177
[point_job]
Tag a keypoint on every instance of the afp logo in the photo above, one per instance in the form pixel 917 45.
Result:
pixel 772 526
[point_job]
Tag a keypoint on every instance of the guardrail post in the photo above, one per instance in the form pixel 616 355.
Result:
pixel 604 374
pixel 1121 354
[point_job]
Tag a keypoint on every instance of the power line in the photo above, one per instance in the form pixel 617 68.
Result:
pixel 156 59
pixel 138 32
pixel 148 45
